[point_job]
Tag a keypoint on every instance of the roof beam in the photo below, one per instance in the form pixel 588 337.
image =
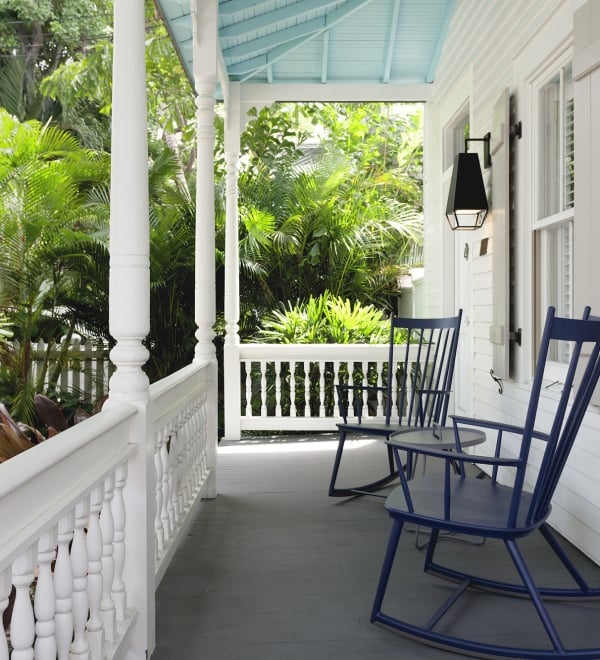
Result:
pixel 319 26
pixel 391 41
pixel 241 28
pixel 435 58
pixel 263 93
pixel 325 59
pixel 275 39
pixel 230 7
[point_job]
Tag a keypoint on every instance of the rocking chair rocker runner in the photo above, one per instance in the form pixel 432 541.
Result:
pixel 456 503
pixel 416 393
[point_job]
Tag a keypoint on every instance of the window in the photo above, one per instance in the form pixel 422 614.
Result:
pixel 454 138
pixel 553 224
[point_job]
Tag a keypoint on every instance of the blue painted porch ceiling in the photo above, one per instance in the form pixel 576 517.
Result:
pixel 321 41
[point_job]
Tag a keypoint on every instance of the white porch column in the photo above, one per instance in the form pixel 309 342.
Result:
pixel 231 349
pixel 204 22
pixel 204 16
pixel 129 305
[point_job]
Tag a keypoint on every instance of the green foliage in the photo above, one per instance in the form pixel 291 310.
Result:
pixel 53 267
pixel 385 142
pixel 336 213
pixel 82 88
pixel 326 319
pixel 38 36
pixel 171 339
pixel 320 228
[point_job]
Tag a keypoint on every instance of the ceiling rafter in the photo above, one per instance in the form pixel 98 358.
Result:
pixel 391 42
pixel 230 7
pixel 289 39
pixel 325 57
pixel 275 39
pixel 441 38
pixel 262 21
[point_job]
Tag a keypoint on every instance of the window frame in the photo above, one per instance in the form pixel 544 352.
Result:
pixel 546 217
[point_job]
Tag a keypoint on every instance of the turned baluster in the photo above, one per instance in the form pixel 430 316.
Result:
pixel 263 388
pixel 293 374
pixel 172 472
pixel 119 593
pixel 63 586
pixel 79 565
pixel 321 389
pixel 248 385
pixel 159 534
pixel 22 623
pixel 5 589
pixel 107 607
pixel 277 366
pixel 165 459
pixel 44 604
pixel 94 628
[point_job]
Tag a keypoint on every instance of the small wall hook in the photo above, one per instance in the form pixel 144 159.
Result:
pixel 498 382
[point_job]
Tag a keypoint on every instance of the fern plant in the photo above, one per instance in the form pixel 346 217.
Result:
pixel 325 319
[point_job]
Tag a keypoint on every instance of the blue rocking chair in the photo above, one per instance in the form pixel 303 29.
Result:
pixel 420 367
pixel 457 503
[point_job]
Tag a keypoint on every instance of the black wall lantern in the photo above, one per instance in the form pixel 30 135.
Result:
pixel 467 202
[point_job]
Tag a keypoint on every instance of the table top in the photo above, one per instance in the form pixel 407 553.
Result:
pixel 444 438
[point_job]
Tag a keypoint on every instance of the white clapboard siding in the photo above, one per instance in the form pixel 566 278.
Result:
pixel 492 46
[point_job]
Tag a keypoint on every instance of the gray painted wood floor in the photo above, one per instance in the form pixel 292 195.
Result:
pixel 274 569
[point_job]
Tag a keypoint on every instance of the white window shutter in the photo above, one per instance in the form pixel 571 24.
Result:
pixel 500 205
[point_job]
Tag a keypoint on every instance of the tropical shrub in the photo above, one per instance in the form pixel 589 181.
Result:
pixel 326 319
pixel 54 270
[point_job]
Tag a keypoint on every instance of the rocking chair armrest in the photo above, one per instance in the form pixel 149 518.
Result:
pixel 495 425
pixel 344 402
pixel 455 456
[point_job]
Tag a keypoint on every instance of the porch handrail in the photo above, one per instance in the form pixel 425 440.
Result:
pixel 184 438
pixel 60 505
pixel 38 486
pixel 84 511
pixel 290 387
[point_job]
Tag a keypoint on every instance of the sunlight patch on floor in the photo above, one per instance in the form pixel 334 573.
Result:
pixel 258 447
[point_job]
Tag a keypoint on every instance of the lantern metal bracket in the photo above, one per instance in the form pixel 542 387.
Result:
pixel 487 157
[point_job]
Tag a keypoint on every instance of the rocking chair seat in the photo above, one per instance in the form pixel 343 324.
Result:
pixel 479 507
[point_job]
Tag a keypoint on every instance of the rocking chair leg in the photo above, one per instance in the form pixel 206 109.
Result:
pixel 536 599
pixel 386 568
pixel 366 489
pixel 336 464
pixel 566 561
pixel 391 460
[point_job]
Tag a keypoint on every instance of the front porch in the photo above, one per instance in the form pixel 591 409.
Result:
pixel 273 568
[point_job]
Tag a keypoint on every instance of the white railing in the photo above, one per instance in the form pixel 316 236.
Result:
pixel 84 366
pixel 62 512
pixel 291 387
pixel 77 570
pixel 185 442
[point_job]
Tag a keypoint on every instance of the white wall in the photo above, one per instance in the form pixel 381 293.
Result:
pixel 492 46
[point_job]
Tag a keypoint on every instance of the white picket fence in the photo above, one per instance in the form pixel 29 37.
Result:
pixel 86 367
